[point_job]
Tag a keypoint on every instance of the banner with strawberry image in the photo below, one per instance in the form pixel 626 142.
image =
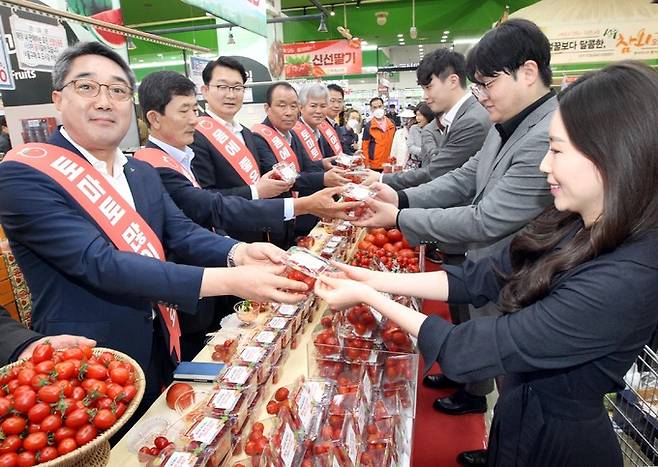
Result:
pixel 325 58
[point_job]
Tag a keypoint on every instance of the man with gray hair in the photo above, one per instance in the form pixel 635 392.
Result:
pixel 313 101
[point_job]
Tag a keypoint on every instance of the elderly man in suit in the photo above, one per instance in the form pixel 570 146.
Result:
pixel 91 229
pixel 498 191
pixel 442 75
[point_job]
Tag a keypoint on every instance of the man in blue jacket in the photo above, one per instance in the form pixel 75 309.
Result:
pixel 81 283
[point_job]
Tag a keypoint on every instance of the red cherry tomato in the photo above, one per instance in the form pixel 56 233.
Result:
pixel 281 394
pixel 104 419
pixel 64 432
pixel 85 434
pixel 77 419
pixel 161 442
pixel 47 454
pixel 10 444
pixel 66 445
pixel 51 423
pixel 49 394
pixel 25 400
pixel 73 353
pixel 38 412
pixel 44 367
pixel 35 441
pixel 65 370
pixel 97 371
pixel 26 459
pixel 130 391
pixel 272 407
pixel 119 375
pixel 13 425
pixel 42 352
pixel 9 459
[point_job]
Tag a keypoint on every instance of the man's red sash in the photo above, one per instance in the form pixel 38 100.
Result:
pixel 278 144
pixel 111 212
pixel 304 132
pixel 330 135
pixel 159 159
pixel 231 148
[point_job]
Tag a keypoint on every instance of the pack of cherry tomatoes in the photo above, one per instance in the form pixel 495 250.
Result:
pixel 60 400
pixel 382 248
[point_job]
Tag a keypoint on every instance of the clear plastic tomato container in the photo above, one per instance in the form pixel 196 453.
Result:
pixel 236 376
pixel 223 345
pixel 343 229
pixel 346 161
pixel 212 437
pixel 285 171
pixel 257 358
pixel 327 342
pixel 358 348
pixel 268 338
pixel 290 311
pixel 180 459
pixel 232 404
pixel 354 192
pixel 305 266
pixel 357 176
pixel 280 325
pixel 287 443
pixel 362 318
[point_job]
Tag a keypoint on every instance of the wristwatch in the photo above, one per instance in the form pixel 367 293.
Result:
pixel 230 258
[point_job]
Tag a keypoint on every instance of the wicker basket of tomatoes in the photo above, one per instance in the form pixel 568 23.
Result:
pixel 60 407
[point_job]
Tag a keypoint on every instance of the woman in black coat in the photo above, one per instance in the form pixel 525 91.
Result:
pixel 578 287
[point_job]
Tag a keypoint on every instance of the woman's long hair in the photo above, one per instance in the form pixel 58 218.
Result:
pixel 611 116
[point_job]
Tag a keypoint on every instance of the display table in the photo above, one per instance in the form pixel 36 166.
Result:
pixel 124 454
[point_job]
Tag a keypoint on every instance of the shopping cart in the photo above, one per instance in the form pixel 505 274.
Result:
pixel 634 412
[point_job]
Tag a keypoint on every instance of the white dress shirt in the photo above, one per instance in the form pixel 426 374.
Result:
pixel 117 179
pixel 449 116
pixel 236 128
pixel 184 157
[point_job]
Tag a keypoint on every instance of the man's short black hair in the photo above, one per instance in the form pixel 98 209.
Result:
pixel 442 63
pixel 505 48
pixel 376 99
pixel 226 62
pixel 158 88
pixel 272 88
pixel 3 120
pixel 335 87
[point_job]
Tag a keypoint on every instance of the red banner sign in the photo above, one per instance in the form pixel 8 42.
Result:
pixel 317 59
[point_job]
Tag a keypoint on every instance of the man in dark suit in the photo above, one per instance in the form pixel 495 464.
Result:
pixel 18 342
pixel 223 90
pixel 333 112
pixel 81 280
pixel 281 107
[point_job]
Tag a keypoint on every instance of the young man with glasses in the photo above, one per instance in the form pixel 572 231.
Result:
pixel 498 191
pixel 91 229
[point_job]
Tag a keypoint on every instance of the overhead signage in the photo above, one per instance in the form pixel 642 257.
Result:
pixel 325 58
pixel 6 76
pixel 593 43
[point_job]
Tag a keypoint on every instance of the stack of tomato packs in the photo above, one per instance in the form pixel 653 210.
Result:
pixel 59 400
pixel 389 247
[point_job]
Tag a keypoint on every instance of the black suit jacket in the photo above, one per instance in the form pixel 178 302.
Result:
pixel 215 173
pixel 15 337
pixel 223 213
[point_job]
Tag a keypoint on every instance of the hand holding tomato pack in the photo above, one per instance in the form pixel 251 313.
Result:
pixel 59 400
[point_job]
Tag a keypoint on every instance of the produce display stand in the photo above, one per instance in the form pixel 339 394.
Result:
pixel 299 363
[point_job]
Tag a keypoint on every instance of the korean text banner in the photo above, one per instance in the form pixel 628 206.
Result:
pixel 326 58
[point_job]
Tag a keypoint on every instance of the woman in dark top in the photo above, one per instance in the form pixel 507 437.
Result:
pixel 578 287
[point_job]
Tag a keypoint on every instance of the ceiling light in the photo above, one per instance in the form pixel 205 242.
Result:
pixel 369 47
pixel 364 43
pixel 332 12
pixel 446 32
pixel 442 41
pixel 420 46
pixel 382 17
pixel 130 43
pixel 323 24
pixel 231 39
pixel 400 35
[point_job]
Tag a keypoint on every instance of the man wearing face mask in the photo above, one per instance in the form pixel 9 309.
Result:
pixel 378 136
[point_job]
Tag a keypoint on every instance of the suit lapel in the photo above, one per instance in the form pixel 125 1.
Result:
pixel 520 132
pixel 137 188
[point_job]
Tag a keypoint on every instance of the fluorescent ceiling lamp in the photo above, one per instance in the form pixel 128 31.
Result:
pixel 369 47
pixel 364 43
pixel 466 41
pixel 158 64
pixel 400 35
pixel 442 41
pixel 446 32
pixel 369 69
